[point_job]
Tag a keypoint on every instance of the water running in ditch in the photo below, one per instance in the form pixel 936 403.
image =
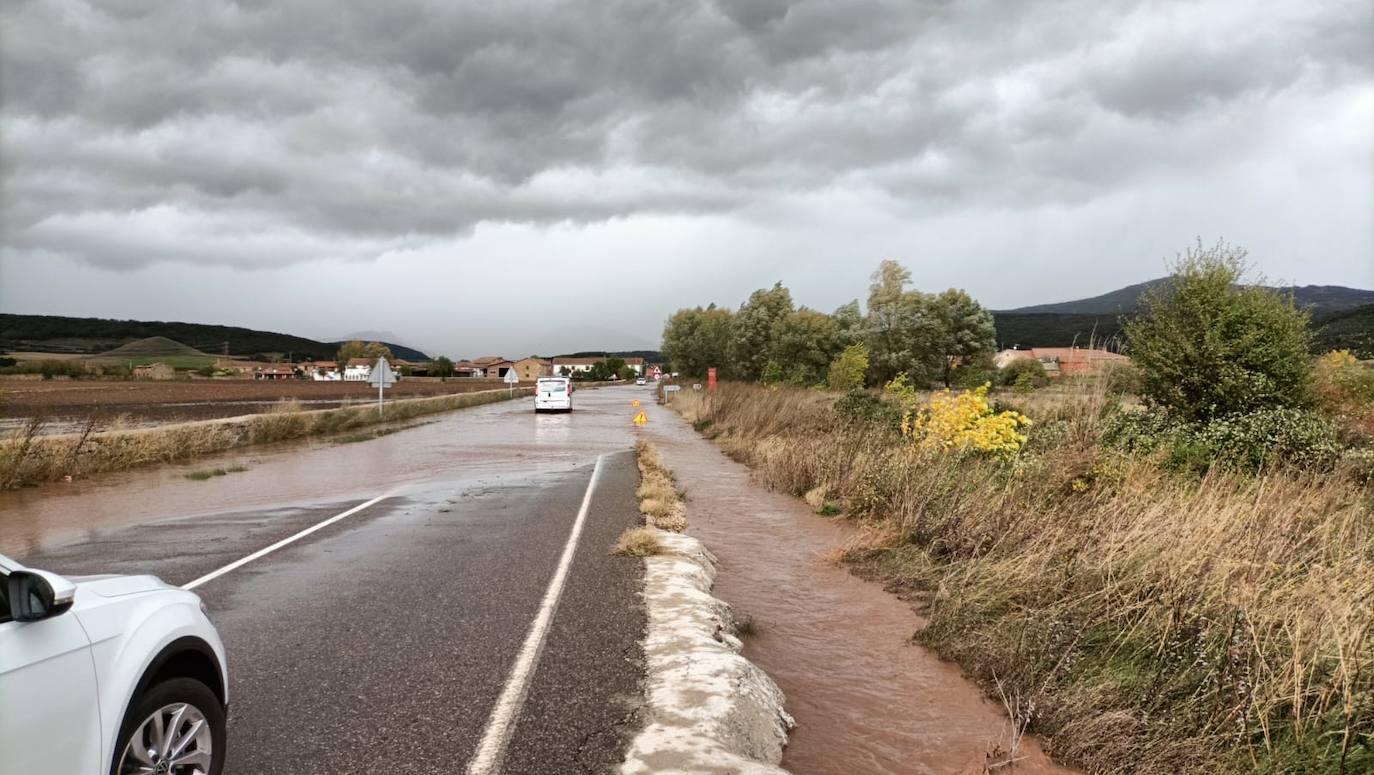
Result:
pixel 866 699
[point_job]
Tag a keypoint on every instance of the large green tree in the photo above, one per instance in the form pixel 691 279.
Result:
pixel 1208 346
pixel 696 339
pixel 751 336
pixel 849 323
pixel 369 350
pixel 442 367
pixel 966 334
pixel 804 343
pixel 901 332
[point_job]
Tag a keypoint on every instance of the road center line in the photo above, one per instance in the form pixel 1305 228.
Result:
pixel 492 750
pixel 263 552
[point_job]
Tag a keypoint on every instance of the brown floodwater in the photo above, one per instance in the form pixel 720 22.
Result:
pixel 866 699
pixel 481 443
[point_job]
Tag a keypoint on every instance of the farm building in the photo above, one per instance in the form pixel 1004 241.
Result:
pixel 154 371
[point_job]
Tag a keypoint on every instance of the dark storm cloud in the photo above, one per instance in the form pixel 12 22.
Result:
pixel 255 133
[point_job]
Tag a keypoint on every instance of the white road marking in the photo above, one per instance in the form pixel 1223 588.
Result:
pixel 212 575
pixel 492 750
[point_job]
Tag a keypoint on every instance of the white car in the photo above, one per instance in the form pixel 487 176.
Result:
pixel 107 675
pixel 641 381
pixel 553 394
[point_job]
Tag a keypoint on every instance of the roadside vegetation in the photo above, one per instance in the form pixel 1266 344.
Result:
pixel 28 457
pixel 660 501
pixel 1168 569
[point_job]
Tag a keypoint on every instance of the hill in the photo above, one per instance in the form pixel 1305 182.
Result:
pixel 84 336
pixel 1046 329
pixel 649 356
pixel 156 349
pixel 1335 309
pixel 1318 299
pixel 1351 330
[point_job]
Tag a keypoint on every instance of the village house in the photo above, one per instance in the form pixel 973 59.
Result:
pixel 531 369
pixel 274 372
pixel 1068 361
pixel 241 369
pixel 571 366
pixel 357 369
pixel 154 371
pixel 488 366
pixel 321 371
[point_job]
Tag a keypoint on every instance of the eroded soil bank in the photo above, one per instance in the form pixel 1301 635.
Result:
pixel 865 698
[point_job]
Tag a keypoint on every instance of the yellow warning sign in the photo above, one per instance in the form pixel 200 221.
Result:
pixel 635 403
pixel 641 418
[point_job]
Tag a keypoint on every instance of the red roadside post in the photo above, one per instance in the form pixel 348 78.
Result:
pixel 711 379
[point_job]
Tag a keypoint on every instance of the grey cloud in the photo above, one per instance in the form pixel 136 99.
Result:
pixel 361 125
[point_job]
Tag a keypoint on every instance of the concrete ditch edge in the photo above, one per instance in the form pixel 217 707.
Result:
pixel 709 710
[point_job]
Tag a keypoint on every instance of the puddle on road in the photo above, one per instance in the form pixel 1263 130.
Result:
pixel 866 700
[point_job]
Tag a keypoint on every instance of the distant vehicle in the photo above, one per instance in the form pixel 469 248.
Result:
pixel 553 394
pixel 641 381
pixel 107 674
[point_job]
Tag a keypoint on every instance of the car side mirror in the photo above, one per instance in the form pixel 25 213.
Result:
pixel 37 594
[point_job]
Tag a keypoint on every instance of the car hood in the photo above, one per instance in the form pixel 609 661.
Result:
pixel 110 585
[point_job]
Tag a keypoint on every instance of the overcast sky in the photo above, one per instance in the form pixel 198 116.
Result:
pixel 517 176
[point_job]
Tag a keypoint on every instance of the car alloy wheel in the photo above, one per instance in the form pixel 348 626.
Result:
pixel 175 740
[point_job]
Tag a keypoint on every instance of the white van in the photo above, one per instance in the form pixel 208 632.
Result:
pixel 553 394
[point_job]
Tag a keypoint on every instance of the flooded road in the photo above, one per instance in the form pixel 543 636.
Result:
pixel 865 698
pixel 376 599
pixel 483 441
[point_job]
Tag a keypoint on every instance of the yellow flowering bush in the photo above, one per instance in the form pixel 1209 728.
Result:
pixel 965 421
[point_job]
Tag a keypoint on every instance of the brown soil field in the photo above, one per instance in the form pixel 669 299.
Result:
pixel 66 405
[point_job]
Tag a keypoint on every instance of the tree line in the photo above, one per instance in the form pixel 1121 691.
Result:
pixel 943 337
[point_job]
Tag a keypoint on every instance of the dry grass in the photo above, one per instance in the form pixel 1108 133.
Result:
pixel 638 542
pixel 28 457
pixel 1144 622
pixel 659 497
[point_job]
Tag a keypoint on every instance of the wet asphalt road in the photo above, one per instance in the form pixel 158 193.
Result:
pixel 379 644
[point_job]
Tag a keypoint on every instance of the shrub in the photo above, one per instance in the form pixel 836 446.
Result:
pixel 848 370
pixel 862 406
pixel 965 421
pixel 1247 441
pixel 1344 389
pixel 1209 347
pixel 1023 373
pixel 1122 380
pixel 1137 431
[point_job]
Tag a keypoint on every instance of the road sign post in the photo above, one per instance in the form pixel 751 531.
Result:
pixel 711 379
pixel 381 377
pixel 511 379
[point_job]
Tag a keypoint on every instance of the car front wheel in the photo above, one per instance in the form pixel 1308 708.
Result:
pixel 175 728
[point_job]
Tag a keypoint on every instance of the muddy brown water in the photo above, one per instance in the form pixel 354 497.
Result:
pixel 866 699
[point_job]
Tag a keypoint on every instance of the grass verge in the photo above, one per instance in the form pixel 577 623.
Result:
pixel 659 497
pixel 1140 621
pixel 27 457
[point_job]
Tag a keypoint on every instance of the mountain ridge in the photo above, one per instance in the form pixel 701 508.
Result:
pixel 1319 299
